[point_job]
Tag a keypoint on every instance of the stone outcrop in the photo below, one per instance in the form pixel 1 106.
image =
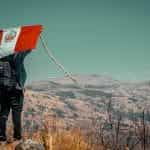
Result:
pixel 29 145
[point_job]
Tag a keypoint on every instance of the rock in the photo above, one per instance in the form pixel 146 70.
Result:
pixel 29 145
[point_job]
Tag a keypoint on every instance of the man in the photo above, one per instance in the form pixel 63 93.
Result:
pixel 12 93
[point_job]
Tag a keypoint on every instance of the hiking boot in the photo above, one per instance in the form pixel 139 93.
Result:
pixel 17 138
pixel 3 139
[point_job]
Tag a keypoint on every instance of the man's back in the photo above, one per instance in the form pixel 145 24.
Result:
pixel 12 70
pixel 7 72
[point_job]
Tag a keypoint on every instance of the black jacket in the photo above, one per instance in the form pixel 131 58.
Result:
pixel 17 62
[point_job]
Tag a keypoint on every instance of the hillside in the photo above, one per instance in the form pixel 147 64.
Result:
pixel 76 105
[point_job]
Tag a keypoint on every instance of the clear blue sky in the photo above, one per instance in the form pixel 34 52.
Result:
pixel 87 36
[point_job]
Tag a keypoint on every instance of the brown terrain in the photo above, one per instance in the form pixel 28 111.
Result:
pixel 118 111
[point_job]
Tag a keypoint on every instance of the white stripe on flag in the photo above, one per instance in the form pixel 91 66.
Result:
pixel 9 40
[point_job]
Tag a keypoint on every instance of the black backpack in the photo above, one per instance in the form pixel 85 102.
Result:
pixel 7 72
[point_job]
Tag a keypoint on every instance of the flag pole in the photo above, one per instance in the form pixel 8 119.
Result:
pixel 57 63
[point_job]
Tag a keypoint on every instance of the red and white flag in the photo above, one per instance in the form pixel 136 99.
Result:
pixel 19 39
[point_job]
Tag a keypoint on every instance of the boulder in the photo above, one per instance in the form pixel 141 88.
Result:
pixel 29 145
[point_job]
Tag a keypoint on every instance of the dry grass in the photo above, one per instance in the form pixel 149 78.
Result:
pixel 64 140
pixel 52 138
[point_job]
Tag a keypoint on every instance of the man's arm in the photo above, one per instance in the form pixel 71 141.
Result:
pixel 20 56
pixel 20 69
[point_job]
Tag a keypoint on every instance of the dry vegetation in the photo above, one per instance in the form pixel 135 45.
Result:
pixel 56 136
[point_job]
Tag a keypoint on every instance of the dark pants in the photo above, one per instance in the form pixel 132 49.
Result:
pixel 11 99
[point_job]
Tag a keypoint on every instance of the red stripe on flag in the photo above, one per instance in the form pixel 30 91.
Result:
pixel 28 37
pixel 1 35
